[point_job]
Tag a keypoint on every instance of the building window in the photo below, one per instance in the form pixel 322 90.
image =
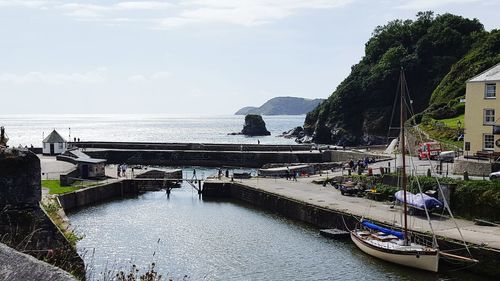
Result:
pixel 490 91
pixel 489 116
pixel 60 145
pixel 44 145
pixel 488 142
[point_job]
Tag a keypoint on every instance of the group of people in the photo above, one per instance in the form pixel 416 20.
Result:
pixel 361 163
pixel 220 173
pixel 121 170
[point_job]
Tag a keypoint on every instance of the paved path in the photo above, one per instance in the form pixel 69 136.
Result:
pixel 51 168
pixel 328 197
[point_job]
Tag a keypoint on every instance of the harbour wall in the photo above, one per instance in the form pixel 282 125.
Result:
pixel 250 159
pixel 191 146
pixel 24 225
pixel 328 218
pixel 118 189
pixel 215 155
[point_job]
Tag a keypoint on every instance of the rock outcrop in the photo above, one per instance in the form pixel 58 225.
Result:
pixel 297 133
pixel 254 126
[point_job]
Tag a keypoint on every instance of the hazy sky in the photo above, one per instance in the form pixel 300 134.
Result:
pixel 189 56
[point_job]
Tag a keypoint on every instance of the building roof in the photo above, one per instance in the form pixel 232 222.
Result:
pixel 54 137
pixel 491 74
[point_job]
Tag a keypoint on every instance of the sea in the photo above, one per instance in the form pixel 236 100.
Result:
pixel 27 130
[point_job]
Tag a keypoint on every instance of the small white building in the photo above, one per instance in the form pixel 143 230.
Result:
pixel 54 144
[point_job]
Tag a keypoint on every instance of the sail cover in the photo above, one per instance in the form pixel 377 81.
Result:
pixel 373 226
pixel 419 200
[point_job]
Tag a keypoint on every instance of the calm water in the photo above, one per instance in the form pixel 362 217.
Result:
pixel 222 240
pixel 30 129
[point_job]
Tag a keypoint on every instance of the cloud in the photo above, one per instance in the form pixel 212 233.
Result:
pixel 243 12
pixel 141 78
pixel 92 77
pixel 430 4
pixel 169 14
pixel 24 3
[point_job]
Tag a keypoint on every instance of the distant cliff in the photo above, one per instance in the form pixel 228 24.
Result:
pixel 282 106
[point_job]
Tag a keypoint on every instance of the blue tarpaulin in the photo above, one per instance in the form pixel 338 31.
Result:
pixel 419 200
pixel 373 226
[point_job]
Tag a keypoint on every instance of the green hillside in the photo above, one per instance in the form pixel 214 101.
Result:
pixel 484 54
pixel 439 53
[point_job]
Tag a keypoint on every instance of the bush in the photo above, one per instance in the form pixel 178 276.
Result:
pixel 477 199
pixel 385 190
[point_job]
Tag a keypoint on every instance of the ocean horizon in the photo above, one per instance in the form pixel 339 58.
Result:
pixel 30 129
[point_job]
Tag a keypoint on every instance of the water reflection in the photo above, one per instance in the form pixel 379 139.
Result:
pixel 222 240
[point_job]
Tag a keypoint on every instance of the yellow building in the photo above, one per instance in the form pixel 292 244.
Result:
pixel 482 113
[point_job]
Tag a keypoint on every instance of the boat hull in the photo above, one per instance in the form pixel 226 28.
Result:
pixel 428 261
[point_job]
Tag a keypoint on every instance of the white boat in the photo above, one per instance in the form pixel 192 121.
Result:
pixel 396 246
pixel 392 249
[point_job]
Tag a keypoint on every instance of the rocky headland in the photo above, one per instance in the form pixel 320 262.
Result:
pixel 282 106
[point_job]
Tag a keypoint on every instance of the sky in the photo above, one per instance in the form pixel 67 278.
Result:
pixel 189 56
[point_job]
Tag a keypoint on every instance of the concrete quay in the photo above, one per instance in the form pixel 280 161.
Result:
pixel 325 207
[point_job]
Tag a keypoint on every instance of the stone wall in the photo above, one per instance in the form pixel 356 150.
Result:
pixel 192 146
pixel 204 158
pixel 19 266
pixel 346 155
pixel 92 195
pixel 23 224
pixel 19 179
pixel 473 166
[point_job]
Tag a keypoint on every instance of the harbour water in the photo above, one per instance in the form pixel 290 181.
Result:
pixel 30 129
pixel 221 240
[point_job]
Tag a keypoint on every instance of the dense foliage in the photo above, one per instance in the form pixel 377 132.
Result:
pixel 484 54
pixel 359 110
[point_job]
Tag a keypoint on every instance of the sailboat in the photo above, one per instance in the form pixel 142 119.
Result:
pixel 392 245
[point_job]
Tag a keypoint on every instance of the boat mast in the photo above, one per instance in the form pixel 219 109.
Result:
pixel 403 150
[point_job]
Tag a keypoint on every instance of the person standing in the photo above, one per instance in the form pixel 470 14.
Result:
pixel 118 170
pixel 124 170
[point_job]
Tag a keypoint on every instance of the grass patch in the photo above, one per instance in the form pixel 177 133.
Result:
pixel 453 122
pixel 54 187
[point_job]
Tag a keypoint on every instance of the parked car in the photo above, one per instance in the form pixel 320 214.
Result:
pixel 495 175
pixel 446 156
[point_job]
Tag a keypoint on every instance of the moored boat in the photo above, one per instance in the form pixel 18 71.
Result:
pixel 398 246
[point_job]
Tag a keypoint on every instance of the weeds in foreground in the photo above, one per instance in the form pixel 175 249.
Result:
pixel 117 273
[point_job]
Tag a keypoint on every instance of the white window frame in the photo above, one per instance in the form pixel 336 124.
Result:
pixel 489 116
pixel 490 91
pixel 492 142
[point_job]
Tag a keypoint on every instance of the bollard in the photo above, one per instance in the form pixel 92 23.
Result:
pixel 466 176
pixel 370 172
pixel 349 171
pixel 199 187
pixel 428 172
